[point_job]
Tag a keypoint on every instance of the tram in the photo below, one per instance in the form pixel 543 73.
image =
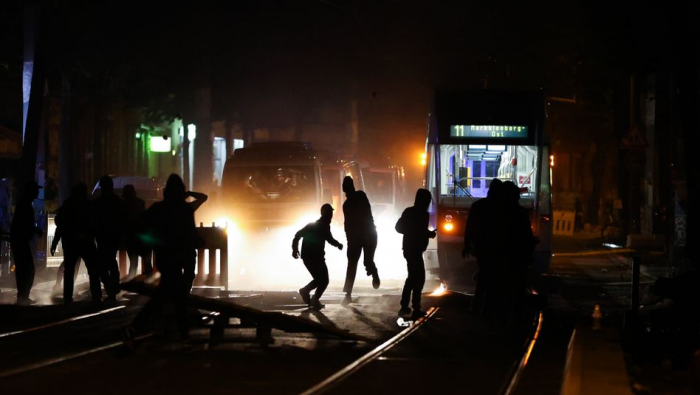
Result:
pixel 474 137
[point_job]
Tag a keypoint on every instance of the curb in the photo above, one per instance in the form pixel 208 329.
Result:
pixel 595 363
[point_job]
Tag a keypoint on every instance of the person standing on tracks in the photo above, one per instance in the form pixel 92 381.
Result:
pixel 75 227
pixel 22 230
pixel 110 224
pixel 169 229
pixel 361 235
pixel 477 241
pixel 512 262
pixel 315 236
pixel 135 207
pixel 413 224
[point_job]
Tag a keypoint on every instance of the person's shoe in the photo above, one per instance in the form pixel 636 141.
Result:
pixel 346 300
pixel 305 296
pixel 111 299
pixel 316 304
pixel 375 279
pixel 68 302
pixel 417 313
pixel 404 312
pixel 25 302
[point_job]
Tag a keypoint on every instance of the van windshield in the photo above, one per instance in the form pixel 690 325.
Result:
pixel 273 184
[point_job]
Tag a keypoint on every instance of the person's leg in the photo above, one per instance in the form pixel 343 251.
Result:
pixel 92 264
pixel 147 262
pixel 369 247
pixel 354 252
pixel 321 278
pixel 23 259
pixel 313 283
pixel 111 269
pixel 71 258
pixel 57 286
pixel 418 273
pixel 408 284
pixel 133 255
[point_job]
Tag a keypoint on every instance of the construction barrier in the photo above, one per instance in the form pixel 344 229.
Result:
pixel 564 223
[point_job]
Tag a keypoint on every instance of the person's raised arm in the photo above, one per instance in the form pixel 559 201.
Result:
pixel 199 199
pixel 295 243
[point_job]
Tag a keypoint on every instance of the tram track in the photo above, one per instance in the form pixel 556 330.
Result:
pixel 60 322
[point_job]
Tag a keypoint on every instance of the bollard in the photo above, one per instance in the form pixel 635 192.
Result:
pixel 636 268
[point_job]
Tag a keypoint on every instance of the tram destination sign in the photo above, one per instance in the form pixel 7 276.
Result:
pixel 489 131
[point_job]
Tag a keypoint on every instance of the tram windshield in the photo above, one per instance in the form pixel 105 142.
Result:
pixel 468 170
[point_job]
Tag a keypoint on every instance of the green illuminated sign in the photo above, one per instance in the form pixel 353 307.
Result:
pixel 489 131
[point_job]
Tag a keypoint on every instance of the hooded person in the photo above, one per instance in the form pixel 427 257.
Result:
pixel 413 224
pixel 361 235
pixel 169 230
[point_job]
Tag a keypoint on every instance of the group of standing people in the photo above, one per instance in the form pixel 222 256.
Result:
pixel 499 234
pixel 95 230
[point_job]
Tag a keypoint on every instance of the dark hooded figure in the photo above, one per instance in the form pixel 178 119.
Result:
pixel 315 236
pixel 22 231
pixel 75 227
pixel 169 230
pixel 361 235
pixel 413 224
pixel 135 207
pixel 481 218
pixel 110 224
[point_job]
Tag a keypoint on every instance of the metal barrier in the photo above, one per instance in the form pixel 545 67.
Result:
pixel 215 239
pixel 209 271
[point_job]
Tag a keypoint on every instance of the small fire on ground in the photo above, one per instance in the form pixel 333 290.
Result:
pixel 439 291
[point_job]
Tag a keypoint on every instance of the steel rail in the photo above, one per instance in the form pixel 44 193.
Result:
pixel 345 372
pixel 61 322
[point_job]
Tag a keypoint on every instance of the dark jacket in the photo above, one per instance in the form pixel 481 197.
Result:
pixel 75 220
pixel 169 229
pixel 413 224
pixel 23 227
pixel 315 236
pixel 358 215
pixel 110 218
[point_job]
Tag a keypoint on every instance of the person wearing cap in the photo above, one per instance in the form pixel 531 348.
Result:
pixel 22 231
pixel 315 236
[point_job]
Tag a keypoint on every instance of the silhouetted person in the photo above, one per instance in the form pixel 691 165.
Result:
pixel 110 224
pixel 170 231
pixel 22 231
pixel 515 257
pixel 135 208
pixel 315 236
pixel 413 225
pixel 75 226
pixel 476 242
pixel 361 234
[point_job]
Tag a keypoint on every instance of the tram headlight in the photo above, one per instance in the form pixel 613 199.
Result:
pixel 448 226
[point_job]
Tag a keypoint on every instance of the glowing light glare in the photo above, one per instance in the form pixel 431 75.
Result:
pixel 448 226
pixel 551 160
pixel 191 132
pixel 441 290
pixel 423 158
pixel 160 144
pixel 138 135
pixel 305 220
